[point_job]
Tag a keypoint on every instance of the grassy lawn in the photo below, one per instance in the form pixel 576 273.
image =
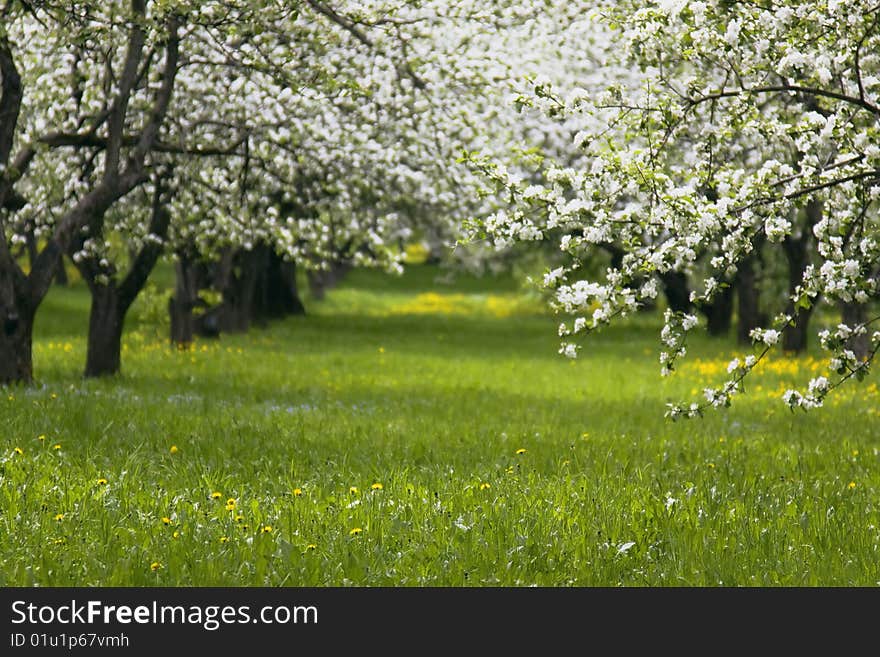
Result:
pixel 408 432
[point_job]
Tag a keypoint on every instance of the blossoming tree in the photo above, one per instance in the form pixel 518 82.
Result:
pixel 743 123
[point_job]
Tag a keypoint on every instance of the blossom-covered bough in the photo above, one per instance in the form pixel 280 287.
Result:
pixel 724 126
pixel 74 77
pixel 241 130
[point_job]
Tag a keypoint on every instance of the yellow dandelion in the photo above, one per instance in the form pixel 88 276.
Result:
pixel 56 446
pixel 297 492
pixel 851 485
pixel 239 518
pixel 216 495
pixel 353 490
pixel 266 529
pixel 855 452
pixel 521 450
pixel 585 436
pixel 53 396
pixel 174 449
pixel 381 350
pixel 230 504
pixel 166 520
pixel 42 437
pixel 311 546
pixel 711 466
pixel 59 541
pixel 377 486
pixel 155 566
pixel 102 481
pixel 485 486
pixel 60 516
pixel 18 450
pixel 176 534
pixel 356 531
pixel 224 539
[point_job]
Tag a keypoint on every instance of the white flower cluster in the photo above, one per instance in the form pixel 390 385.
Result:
pixel 714 127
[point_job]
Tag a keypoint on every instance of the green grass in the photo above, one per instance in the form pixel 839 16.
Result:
pixel 431 390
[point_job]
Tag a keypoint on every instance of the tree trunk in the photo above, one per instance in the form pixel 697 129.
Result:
pixel 61 275
pixel 794 337
pixel 182 303
pixel 111 301
pixel 719 313
pixel 277 295
pixel 853 314
pixel 16 345
pixel 238 294
pixel 322 280
pixel 105 332
pixel 31 243
pixel 748 301
pixel 675 287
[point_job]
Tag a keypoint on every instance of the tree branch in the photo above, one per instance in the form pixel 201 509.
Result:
pixel 127 81
pixel 149 253
pixel 852 100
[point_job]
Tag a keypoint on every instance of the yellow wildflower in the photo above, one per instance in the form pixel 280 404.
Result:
pixel 59 517
pixel 102 481
pixel 297 492
pixel 353 490
pixel 174 449
pixel 18 450
pixel 266 529
pixel 851 485
pixel 56 446
pixel 166 520
pixel 311 546
pixel 155 566
pixel 485 486
pixel 216 495
pixel 355 531
pixel 521 450
pixel 377 486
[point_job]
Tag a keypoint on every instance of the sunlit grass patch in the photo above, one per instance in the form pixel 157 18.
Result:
pixel 430 448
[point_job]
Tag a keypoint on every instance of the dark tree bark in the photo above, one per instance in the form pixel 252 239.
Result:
pixel 106 319
pixel 677 291
pixel 797 253
pixel 61 275
pixel 747 300
pixel 183 301
pixel 719 313
pixel 240 273
pixel 16 335
pixel 111 301
pixel 16 309
pixel 31 245
pixel 277 295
